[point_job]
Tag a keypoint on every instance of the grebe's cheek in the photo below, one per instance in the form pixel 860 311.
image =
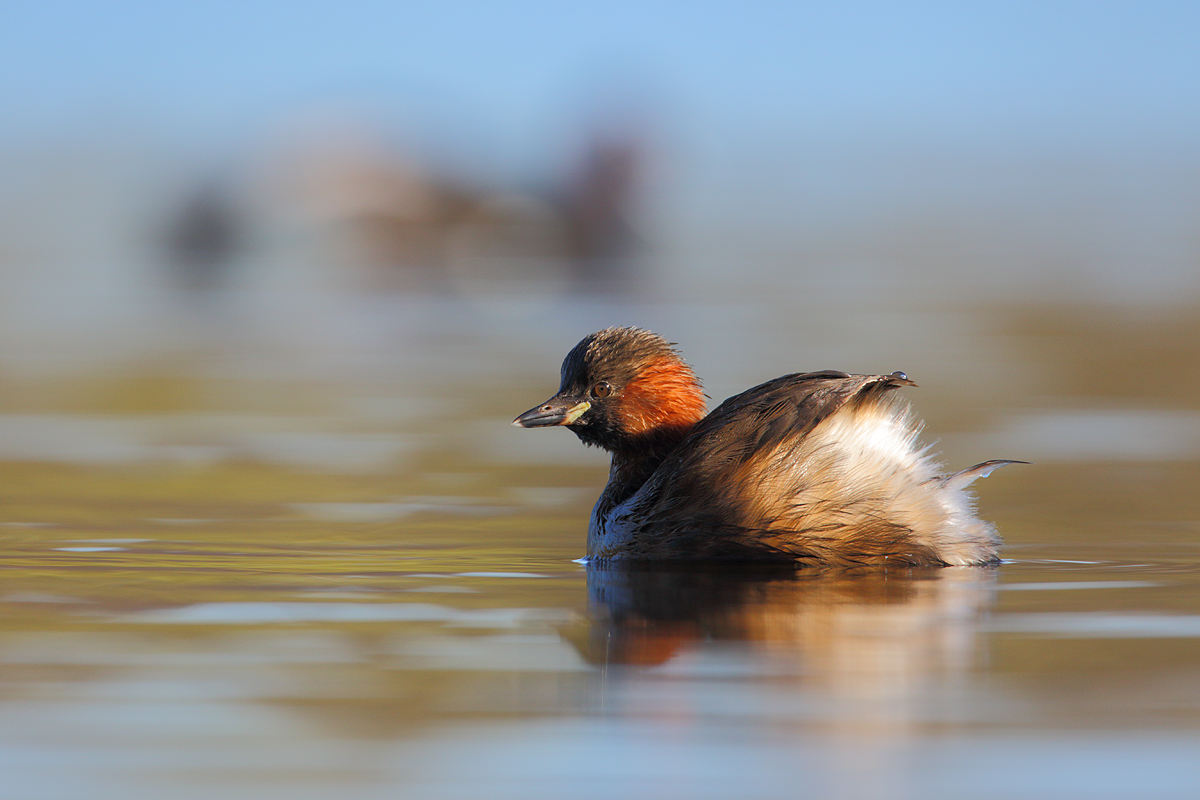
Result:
pixel 575 412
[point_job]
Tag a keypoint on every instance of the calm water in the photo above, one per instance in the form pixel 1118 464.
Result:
pixel 321 564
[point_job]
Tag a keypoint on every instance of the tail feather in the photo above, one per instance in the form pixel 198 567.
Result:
pixel 963 479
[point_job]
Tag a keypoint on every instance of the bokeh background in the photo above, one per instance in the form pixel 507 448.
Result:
pixel 153 157
pixel 1002 200
pixel 274 278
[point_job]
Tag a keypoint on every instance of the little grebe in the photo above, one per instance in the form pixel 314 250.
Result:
pixel 815 468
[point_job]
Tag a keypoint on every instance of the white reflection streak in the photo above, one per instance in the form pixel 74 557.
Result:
pixel 1094 625
pixel 234 613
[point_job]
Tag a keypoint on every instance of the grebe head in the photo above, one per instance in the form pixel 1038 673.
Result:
pixel 623 389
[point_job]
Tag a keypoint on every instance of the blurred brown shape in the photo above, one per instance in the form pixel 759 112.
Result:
pixel 598 210
pixel 368 215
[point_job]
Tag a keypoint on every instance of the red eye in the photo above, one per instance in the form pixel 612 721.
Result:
pixel 602 389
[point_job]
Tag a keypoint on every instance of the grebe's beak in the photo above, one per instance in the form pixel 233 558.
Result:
pixel 558 410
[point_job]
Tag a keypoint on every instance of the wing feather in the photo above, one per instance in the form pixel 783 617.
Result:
pixel 819 465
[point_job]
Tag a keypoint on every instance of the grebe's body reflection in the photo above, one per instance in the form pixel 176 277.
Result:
pixel 851 629
pixel 853 671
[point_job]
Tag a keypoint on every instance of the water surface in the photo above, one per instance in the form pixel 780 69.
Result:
pixel 336 571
